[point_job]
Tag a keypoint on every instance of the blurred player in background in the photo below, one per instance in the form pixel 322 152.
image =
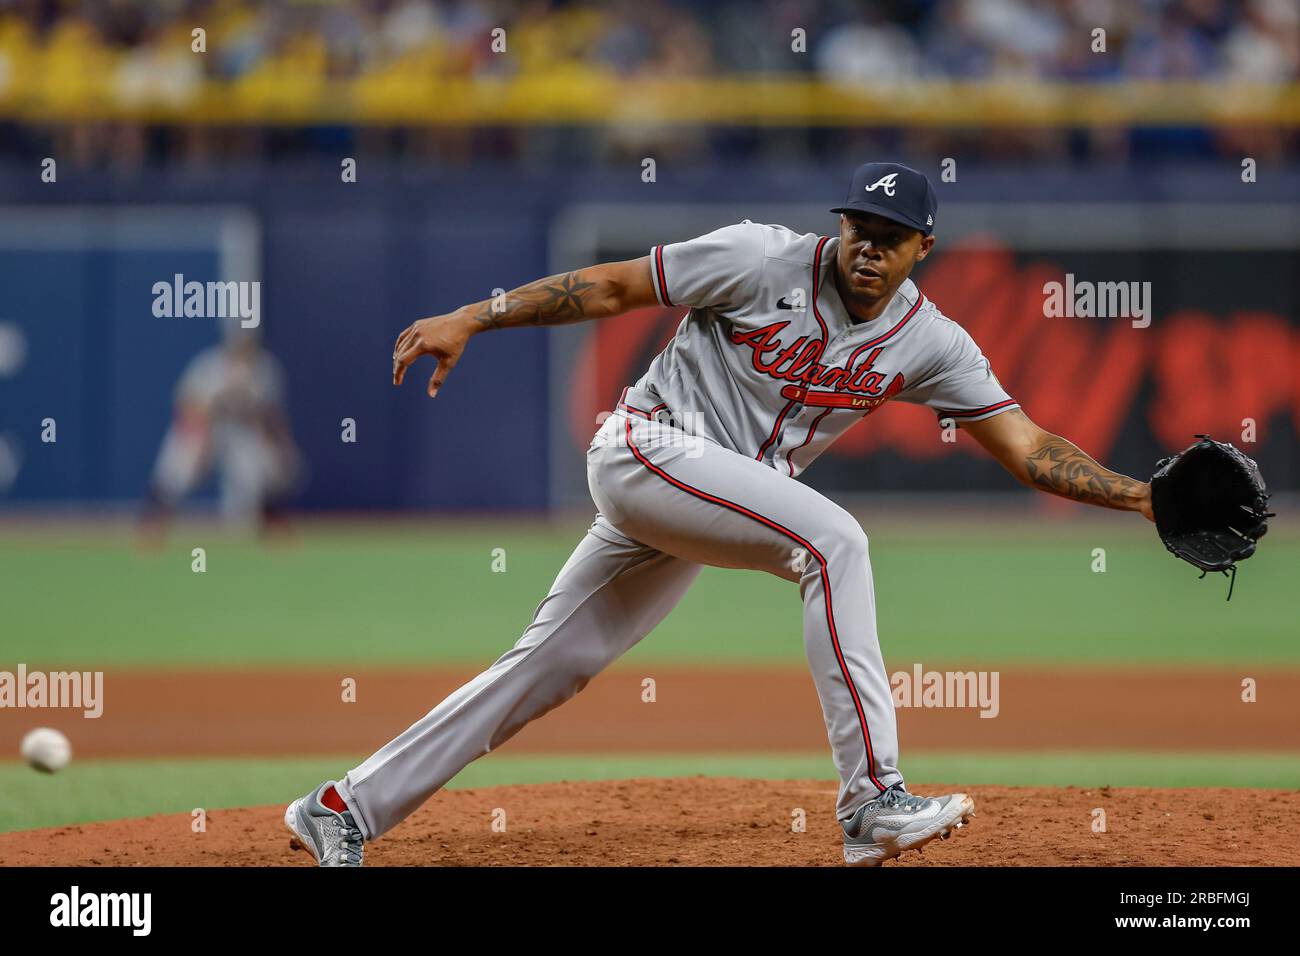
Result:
pixel 230 418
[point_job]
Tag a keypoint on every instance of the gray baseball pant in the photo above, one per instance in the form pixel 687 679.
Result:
pixel 668 503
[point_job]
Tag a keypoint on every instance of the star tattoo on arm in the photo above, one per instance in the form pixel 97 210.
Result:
pixel 1059 467
pixel 555 300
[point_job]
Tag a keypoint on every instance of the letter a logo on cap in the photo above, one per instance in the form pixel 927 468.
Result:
pixel 886 181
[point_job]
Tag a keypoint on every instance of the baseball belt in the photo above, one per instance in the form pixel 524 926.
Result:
pixel 657 411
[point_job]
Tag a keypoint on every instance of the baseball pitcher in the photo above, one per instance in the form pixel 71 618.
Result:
pixel 788 341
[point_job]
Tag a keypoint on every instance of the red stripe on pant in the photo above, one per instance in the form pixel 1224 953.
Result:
pixel 826 586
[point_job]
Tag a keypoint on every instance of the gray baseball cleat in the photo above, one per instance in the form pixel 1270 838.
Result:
pixel 896 821
pixel 332 838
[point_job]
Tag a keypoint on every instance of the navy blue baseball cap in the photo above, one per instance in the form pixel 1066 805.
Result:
pixel 894 191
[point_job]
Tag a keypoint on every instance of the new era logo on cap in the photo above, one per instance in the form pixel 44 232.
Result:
pixel 894 191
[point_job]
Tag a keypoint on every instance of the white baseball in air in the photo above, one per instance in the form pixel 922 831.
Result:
pixel 46 749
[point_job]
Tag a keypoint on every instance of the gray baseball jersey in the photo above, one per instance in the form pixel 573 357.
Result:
pixel 769 363
pixel 232 391
pixel 236 396
pixel 763 374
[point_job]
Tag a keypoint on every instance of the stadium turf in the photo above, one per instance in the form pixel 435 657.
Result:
pixel 431 596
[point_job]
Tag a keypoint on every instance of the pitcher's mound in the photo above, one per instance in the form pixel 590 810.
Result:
pixel 707 821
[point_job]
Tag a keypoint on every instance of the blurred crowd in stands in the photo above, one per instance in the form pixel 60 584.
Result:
pixel 142 48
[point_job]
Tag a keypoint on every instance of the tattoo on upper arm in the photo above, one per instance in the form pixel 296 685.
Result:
pixel 554 300
pixel 1061 468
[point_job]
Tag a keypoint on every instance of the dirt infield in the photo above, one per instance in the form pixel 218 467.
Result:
pixel 694 821
pixel 716 822
pixel 696 710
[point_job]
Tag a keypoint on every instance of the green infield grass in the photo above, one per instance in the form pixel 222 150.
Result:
pixel 430 595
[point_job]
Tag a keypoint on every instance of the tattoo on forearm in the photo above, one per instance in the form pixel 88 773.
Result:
pixel 1061 468
pixel 555 300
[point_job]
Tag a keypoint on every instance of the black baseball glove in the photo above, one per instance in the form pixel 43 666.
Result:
pixel 1209 504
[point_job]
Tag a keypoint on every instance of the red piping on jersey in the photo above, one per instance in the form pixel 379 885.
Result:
pixel 816 287
pixel 817 272
pixel 789 459
pixel 826 586
pixel 775 429
pixel 853 359
pixel 944 413
pixel 881 338
pixel 659 270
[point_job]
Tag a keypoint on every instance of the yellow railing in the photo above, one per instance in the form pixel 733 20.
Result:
pixel 591 99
